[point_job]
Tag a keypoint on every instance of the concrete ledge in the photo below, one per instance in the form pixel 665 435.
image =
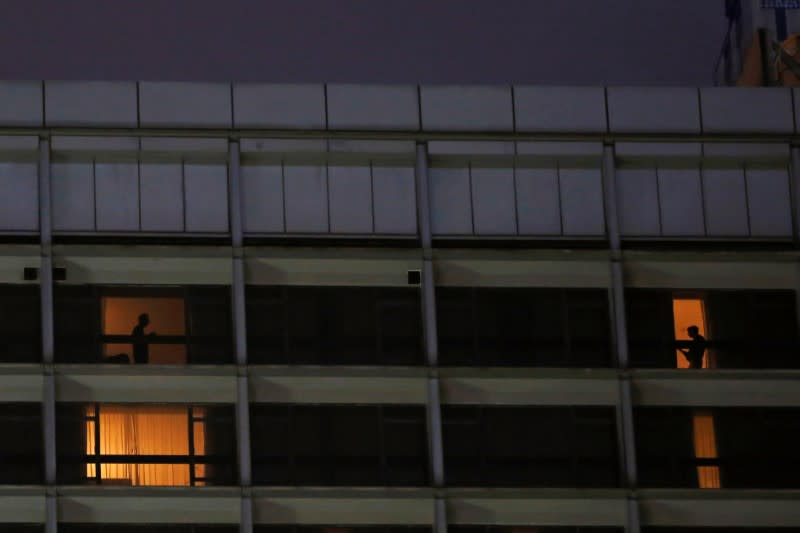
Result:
pixel 144 270
pixel 143 505
pixel 537 508
pixel 653 110
pixel 93 145
pixel 322 389
pixel 710 274
pixel 560 109
pixel 373 107
pixel 22 104
pixel 21 383
pixel 714 389
pixel 19 144
pixel 22 505
pixel 279 106
pixel 185 105
pixel 162 384
pixel 747 151
pixel 487 272
pixel 324 269
pixel 466 108
pixel 343 506
pixel 650 151
pixel 577 390
pixel 720 508
pixel 184 145
pixel 746 110
pixel 91 103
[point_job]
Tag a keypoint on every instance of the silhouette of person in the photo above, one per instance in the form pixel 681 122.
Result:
pixel 141 350
pixel 697 347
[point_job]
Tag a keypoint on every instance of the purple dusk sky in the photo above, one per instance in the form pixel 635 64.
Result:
pixel 583 42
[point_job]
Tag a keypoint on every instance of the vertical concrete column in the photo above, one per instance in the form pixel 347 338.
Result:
pixel 433 407
pixel 625 435
pixel 794 188
pixel 240 334
pixel 48 343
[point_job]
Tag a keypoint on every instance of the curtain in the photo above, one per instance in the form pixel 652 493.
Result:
pixel 705 447
pixel 142 431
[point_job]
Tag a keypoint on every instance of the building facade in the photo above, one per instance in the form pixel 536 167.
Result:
pixel 344 308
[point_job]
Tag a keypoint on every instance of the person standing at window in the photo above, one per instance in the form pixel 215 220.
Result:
pixel 696 347
pixel 141 349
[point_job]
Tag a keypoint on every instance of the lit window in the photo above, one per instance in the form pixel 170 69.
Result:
pixel 145 445
pixel 155 329
pixel 690 313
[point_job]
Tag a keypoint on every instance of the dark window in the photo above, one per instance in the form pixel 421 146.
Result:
pixel 21 528
pixel 532 529
pixel 340 529
pixel 144 528
pixel 334 325
pixel 523 327
pixel 20 327
pixel 529 446
pixel 742 329
pixel 142 325
pixel 339 445
pixel 728 529
pixel 21 454
pixel 718 448
pixel 145 444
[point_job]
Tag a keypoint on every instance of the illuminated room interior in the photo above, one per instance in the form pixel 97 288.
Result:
pixel 691 312
pixel 141 430
pixel 167 318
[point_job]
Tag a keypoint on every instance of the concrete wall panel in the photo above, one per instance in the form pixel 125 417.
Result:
pixel 206 197
pixel 466 108
pixel 72 192
pixel 681 202
pixel 637 202
pixel 394 200
pixel 262 198
pixel 117 190
pixel 185 105
pixel 582 201
pixel 373 107
pixel 290 106
pixel 19 196
pixel 653 110
pixel 161 193
pixel 538 201
pixel 494 201
pixel 725 202
pixel 556 109
pixel 22 104
pixel 350 195
pixel 451 209
pixel 91 103
pixel 306 190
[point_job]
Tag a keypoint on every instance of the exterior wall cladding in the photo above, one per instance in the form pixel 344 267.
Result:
pixel 421 307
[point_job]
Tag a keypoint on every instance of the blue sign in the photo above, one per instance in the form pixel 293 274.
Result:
pixel 780 4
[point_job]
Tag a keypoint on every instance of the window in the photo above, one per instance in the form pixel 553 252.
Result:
pixel 22 458
pixel 340 529
pixel 339 445
pixel 727 529
pixel 21 528
pixel 717 448
pixel 20 327
pixel 739 329
pixel 142 325
pixel 529 446
pixel 523 327
pixel 334 325
pixel 145 444
pixel 144 528
pixel 532 529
